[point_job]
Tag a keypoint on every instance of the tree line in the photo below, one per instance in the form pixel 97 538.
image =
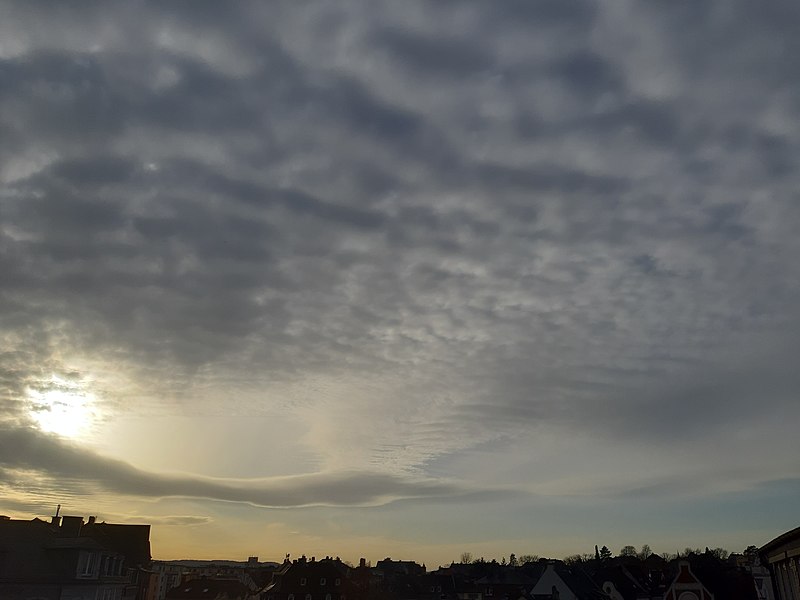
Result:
pixel 604 554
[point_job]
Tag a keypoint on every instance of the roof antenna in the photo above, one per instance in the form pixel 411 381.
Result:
pixel 58 509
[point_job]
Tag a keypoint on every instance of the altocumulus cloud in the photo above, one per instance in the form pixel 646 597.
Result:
pixel 421 228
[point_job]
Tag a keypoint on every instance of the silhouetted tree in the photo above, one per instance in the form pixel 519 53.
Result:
pixel 528 558
pixel 645 552
pixel 605 554
pixel 628 551
pixel 720 553
pixel 512 560
pixel 466 558
pixel 668 556
pixel 573 559
pixel 751 552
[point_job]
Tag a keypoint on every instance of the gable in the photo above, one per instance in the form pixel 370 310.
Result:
pixel 686 586
pixel 548 581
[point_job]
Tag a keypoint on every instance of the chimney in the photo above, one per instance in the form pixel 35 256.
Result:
pixel 92 519
pixel 362 562
pixel 71 526
pixel 55 519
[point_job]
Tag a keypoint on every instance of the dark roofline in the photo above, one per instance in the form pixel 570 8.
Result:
pixel 789 536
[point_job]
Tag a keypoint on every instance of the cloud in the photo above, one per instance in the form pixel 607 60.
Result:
pixel 29 450
pixel 168 520
pixel 419 230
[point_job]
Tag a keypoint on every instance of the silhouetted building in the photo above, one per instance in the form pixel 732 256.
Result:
pixel 171 573
pixel 686 586
pixel 389 567
pixel 782 555
pixel 504 583
pixel 557 580
pixel 631 578
pixel 67 559
pixel 209 588
pixel 303 579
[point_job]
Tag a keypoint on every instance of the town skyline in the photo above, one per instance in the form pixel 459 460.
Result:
pixel 69 558
pixel 210 549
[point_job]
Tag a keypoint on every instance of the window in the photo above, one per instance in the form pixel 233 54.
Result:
pixel 322 581
pixel 337 582
pixel 302 581
pixel 308 596
pixel 291 597
pixel 86 564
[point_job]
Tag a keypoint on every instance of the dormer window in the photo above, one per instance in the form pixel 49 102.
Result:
pixel 322 581
pixel 302 581
pixel 337 582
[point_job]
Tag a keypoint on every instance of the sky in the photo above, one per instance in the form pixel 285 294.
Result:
pixel 407 279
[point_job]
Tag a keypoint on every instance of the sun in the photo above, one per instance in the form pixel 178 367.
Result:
pixel 62 407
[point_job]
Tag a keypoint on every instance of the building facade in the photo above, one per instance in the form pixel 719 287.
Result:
pixel 782 555
pixel 68 559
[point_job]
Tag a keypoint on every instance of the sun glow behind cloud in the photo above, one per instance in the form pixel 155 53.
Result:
pixel 62 407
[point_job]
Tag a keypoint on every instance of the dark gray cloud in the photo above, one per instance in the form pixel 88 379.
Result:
pixel 73 467
pixel 460 222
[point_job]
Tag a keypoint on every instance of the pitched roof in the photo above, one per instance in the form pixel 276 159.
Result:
pixel 132 541
pixel 507 577
pixel 791 536
pixel 205 588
